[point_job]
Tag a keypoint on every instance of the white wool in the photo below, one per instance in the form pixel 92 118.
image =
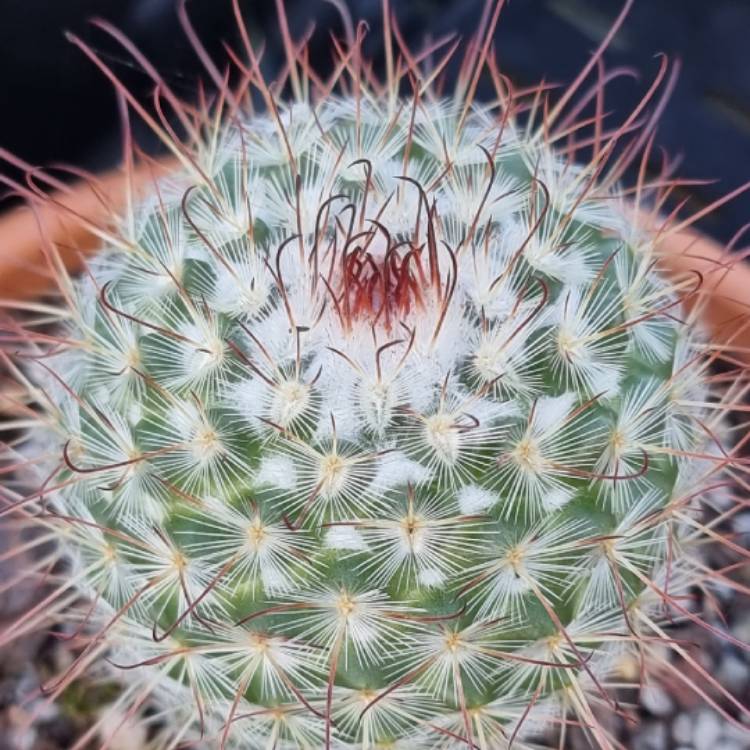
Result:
pixel 431 577
pixel 274 579
pixel 249 397
pixel 241 289
pixel 604 381
pixel 345 537
pixel 465 196
pixel 421 383
pixel 337 391
pixel 276 336
pixel 487 411
pixel 551 411
pixel 395 469
pixel 472 498
pixel 278 471
pixel 555 498
pixel 377 402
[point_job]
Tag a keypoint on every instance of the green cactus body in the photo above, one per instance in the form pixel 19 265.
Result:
pixel 373 434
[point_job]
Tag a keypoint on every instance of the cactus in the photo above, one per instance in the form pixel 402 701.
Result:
pixel 375 425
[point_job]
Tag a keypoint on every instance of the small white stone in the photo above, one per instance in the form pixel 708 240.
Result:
pixel 733 673
pixel 122 732
pixel 682 729
pixel 725 744
pixel 653 736
pixel 655 700
pixel 706 730
pixel 741 630
pixel 737 735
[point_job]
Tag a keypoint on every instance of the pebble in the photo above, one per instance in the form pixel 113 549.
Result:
pixel 656 700
pixel 741 524
pixel 682 729
pixel 733 673
pixel 653 736
pixel 121 732
pixel 737 736
pixel 706 730
pixel 741 629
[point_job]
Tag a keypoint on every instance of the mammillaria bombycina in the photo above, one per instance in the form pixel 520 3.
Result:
pixel 376 424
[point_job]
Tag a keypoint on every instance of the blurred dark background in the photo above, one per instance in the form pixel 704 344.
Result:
pixel 55 106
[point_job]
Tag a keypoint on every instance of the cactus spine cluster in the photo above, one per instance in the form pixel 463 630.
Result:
pixel 371 429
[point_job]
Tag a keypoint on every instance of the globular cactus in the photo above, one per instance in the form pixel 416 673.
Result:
pixel 375 425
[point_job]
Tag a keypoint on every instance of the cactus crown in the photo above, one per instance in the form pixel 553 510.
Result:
pixel 373 425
